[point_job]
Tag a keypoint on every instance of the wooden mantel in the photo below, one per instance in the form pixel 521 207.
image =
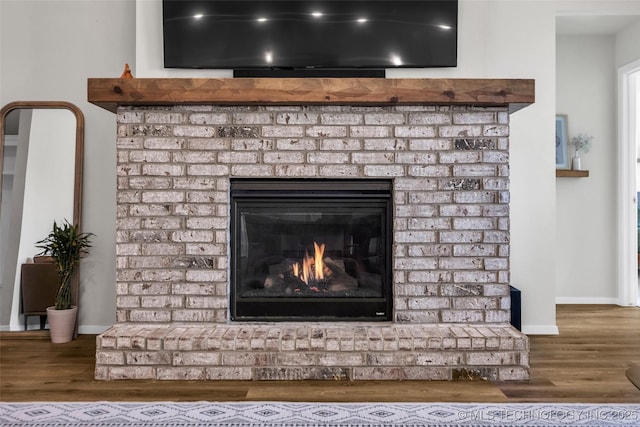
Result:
pixel 111 93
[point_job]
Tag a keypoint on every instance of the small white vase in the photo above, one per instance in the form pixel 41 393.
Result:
pixel 575 163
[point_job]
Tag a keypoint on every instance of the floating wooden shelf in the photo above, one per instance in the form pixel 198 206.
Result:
pixel 567 173
pixel 111 93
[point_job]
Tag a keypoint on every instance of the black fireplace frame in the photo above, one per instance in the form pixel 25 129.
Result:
pixel 356 191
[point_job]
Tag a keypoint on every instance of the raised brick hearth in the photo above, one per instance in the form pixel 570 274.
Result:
pixel 449 165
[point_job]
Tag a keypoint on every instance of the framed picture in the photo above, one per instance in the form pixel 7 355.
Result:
pixel 562 151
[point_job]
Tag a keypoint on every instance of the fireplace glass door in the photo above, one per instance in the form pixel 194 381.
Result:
pixel 310 250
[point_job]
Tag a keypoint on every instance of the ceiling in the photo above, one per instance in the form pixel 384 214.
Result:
pixel 594 24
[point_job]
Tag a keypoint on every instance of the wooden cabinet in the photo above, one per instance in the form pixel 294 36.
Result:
pixel 39 283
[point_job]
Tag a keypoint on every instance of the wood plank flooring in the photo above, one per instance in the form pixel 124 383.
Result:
pixel 585 363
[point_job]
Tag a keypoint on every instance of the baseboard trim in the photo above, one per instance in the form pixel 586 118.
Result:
pixel 87 329
pixel 92 329
pixel 540 330
pixel 586 300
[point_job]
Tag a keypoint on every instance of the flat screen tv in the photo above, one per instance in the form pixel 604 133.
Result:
pixel 309 34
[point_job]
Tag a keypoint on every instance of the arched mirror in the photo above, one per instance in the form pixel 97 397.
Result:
pixel 41 158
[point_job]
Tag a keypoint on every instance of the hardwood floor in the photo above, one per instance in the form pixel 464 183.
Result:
pixel 585 363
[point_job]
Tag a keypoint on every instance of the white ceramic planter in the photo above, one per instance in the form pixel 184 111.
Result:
pixel 61 324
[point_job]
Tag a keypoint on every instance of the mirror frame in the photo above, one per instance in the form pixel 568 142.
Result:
pixel 79 151
pixel 79 162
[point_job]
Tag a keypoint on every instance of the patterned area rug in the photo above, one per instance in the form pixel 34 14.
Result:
pixel 286 414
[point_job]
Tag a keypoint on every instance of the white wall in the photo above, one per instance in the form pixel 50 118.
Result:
pixel 627 47
pixel 586 207
pixel 627 51
pixel 497 39
pixel 48 50
pixel 522 44
pixel 628 61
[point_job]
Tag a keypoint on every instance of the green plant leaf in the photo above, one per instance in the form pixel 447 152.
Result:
pixel 66 245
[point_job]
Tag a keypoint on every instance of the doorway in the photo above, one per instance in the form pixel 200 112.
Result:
pixel 628 185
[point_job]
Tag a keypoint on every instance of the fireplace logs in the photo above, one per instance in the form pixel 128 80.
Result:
pixel 288 278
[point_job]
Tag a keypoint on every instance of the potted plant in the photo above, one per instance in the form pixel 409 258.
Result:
pixel 580 142
pixel 65 244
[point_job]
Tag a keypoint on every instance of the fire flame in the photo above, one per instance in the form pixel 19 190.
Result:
pixel 311 269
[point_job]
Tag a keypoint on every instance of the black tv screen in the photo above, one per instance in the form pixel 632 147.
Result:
pixel 310 34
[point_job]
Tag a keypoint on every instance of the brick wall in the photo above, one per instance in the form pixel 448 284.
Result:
pixel 449 167
pixel 450 172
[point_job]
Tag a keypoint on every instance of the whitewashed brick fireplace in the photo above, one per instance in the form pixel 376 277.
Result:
pixel 442 144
